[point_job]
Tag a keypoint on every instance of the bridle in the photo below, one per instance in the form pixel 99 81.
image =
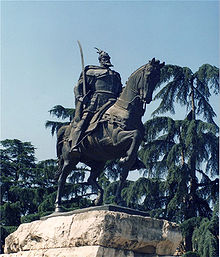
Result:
pixel 141 92
pixel 143 89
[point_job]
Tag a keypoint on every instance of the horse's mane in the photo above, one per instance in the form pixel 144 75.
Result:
pixel 137 71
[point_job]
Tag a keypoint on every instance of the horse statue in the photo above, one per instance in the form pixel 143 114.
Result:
pixel 117 134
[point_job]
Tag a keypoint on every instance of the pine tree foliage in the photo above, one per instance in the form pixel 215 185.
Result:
pixel 111 170
pixel 24 184
pixel 191 254
pixel 183 86
pixel 109 192
pixel 62 113
pixel 207 75
pixel 176 89
pixel 185 152
pixel 147 195
pixel 170 149
pixel 160 134
pixel 205 236
pixel 55 126
pixel 28 188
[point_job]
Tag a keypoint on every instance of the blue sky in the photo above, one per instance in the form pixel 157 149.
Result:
pixel 40 60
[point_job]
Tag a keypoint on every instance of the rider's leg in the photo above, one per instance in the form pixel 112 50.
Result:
pixel 81 127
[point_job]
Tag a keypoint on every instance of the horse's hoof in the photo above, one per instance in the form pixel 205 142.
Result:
pixel 98 202
pixel 58 209
pixel 123 160
pixel 121 203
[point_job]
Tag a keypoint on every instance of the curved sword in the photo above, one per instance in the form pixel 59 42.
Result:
pixel 83 68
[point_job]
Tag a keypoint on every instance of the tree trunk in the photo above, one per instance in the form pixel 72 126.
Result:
pixel 193 99
pixel 191 212
pixel 188 240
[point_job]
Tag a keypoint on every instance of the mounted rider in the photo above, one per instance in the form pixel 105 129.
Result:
pixel 97 89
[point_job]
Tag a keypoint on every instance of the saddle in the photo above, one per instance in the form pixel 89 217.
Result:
pixel 98 117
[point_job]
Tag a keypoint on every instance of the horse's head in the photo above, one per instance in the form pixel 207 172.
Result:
pixel 146 78
pixel 140 86
pixel 151 78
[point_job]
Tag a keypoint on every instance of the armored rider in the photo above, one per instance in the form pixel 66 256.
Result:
pixel 102 88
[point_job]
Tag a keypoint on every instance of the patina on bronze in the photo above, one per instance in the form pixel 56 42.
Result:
pixel 97 89
pixel 107 125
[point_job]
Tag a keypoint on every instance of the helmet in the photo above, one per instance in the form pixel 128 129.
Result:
pixel 104 58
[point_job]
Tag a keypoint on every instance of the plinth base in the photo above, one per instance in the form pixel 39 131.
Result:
pixel 94 233
pixel 82 251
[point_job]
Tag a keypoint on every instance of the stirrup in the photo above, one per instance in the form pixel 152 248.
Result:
pixel 74 149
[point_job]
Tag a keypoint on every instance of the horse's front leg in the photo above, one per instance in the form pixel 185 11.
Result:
pixel 61 184
pixel 96 170
pixel 135 139
pixel 66 165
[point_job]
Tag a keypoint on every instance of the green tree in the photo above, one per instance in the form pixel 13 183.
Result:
pixel 24 184
pixel 62 113
pixel 189 89
pixel 17 164
pixel 205 237
pixel 185 152
pixel 168 152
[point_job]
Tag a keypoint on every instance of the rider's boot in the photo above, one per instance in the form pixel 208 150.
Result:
pixel 75 141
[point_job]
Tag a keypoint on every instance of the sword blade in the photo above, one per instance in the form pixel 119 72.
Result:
pixel 83 68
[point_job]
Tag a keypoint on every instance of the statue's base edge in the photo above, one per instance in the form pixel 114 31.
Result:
pixel 82 251
pixel 107 207
pixel 102 233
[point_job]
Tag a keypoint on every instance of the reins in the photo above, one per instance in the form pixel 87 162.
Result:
pixel 141 94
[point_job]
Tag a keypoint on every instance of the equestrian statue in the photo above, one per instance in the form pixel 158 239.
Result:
pixel 107 123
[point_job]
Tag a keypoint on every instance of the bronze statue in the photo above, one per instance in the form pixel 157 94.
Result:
pixel 98 90
pixel 114 129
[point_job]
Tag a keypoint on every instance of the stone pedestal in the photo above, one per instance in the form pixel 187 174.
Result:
pixel 94 232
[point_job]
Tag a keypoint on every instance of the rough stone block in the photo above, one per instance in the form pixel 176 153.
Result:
pixel 98 233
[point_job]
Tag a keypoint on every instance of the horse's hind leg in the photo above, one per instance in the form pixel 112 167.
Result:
pixel 96 170
pixel 123 177
pixel 66 169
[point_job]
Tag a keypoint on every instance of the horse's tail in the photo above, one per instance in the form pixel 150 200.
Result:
pixel 60 138
pixel 59 146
